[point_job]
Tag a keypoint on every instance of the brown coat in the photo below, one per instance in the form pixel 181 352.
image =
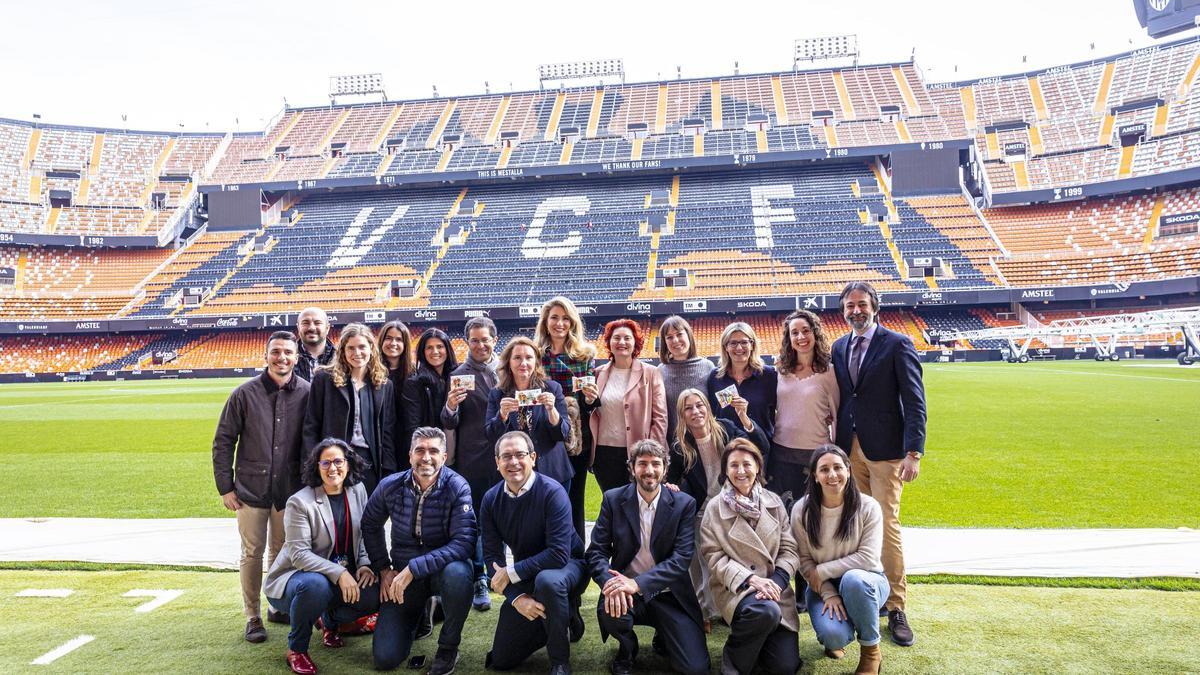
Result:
pixel 733 551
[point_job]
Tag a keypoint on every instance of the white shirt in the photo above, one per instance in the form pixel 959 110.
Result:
pixel 644 560
pixel 512 572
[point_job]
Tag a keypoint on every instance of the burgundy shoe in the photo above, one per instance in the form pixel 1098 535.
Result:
pixel 331 639
pixel 300 663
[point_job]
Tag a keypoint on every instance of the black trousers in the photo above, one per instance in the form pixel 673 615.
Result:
pixel 576 494
pixel 684 638
pixel 611 466
pixel 756 638
pixel 517 638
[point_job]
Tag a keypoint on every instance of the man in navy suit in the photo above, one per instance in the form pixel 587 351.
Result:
pixel 881 420
pixel 642 545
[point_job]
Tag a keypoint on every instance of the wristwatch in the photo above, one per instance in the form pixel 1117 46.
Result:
pixel 913 454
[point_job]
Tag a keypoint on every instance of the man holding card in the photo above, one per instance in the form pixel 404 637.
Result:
pixel 466 411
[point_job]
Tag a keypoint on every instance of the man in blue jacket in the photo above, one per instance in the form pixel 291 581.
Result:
pixel 881 422
pixel 531 514
pixel 642 545
pixel 433 538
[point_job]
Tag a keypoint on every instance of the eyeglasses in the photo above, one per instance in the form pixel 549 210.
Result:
pixel 508 457
pixel 326 463
pixel 740 344
pixel 478 342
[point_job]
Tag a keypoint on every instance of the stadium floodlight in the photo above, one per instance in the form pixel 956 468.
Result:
pixel 356 85
pixel 825 48
pixel 581 70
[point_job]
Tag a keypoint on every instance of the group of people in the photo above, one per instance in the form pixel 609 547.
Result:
pixel 737 492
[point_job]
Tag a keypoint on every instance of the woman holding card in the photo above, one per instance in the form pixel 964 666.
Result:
pixel 524 400
pixel 696 468
pixel 395 343
pixel 568 358
pixel 741 373
pixel 680 365
pixel 425 390
pixel 632 404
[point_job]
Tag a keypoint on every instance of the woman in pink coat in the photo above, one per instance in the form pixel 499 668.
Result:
pixel 629 405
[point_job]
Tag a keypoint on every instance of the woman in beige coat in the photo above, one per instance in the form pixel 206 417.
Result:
pixel 746 540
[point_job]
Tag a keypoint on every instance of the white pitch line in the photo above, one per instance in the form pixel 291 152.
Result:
pixel 45 593
pixel 59 652
pixel 160 598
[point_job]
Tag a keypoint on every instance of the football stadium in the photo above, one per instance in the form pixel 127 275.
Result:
pixel 1024 241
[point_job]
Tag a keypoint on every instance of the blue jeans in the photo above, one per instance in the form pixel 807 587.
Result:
pixel 309 595
pixel 863 593
pixel 397 624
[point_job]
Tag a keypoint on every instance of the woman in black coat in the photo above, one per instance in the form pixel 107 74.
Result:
pixel 395 349
pixel 700 438
pixel 425 390
pixel 352 400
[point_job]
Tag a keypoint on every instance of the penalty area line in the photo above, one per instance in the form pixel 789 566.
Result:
pixel 59 652
pixel 44 593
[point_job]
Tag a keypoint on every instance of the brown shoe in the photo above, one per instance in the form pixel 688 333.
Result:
pixel 898 626
pixel 255 631
pixel 869 661
pixel 835 653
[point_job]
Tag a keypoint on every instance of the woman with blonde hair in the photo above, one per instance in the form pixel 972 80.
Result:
pixel 566 355
pixel 695 467
pixel 351 399
pixel 741 367
pixel 543 416
pixel 680 364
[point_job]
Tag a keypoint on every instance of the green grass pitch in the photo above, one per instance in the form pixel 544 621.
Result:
pixel 961 629
pixel 1072 444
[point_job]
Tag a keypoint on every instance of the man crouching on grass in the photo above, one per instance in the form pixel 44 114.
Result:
pixel 433 540
pixel 256 463
pixel 531 515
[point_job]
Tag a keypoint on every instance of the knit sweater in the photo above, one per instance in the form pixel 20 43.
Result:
pixel 680 375
pixel 835 557
pixel 536 527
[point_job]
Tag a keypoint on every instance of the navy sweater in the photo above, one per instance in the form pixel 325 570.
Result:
pixel 536 526
pixel 448 528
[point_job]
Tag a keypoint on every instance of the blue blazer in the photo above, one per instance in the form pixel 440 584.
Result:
pixel 887 407
pixel 617 537
pixel 547 438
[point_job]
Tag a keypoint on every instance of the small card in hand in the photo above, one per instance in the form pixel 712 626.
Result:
pixel 462 382
pixel 578 383
pixel 725 396
pixel 528 397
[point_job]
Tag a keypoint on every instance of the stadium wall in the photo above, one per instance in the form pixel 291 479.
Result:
pixel 641 308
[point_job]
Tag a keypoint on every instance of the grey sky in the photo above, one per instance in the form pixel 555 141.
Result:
pixel 206 64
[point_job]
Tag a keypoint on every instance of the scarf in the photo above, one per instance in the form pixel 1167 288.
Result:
pixel 485 373
pixel 746 507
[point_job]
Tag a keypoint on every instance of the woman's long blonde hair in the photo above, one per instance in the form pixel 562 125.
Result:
pixel 716 432
pixel 756 363
pixel 576 346
pixel 339 369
